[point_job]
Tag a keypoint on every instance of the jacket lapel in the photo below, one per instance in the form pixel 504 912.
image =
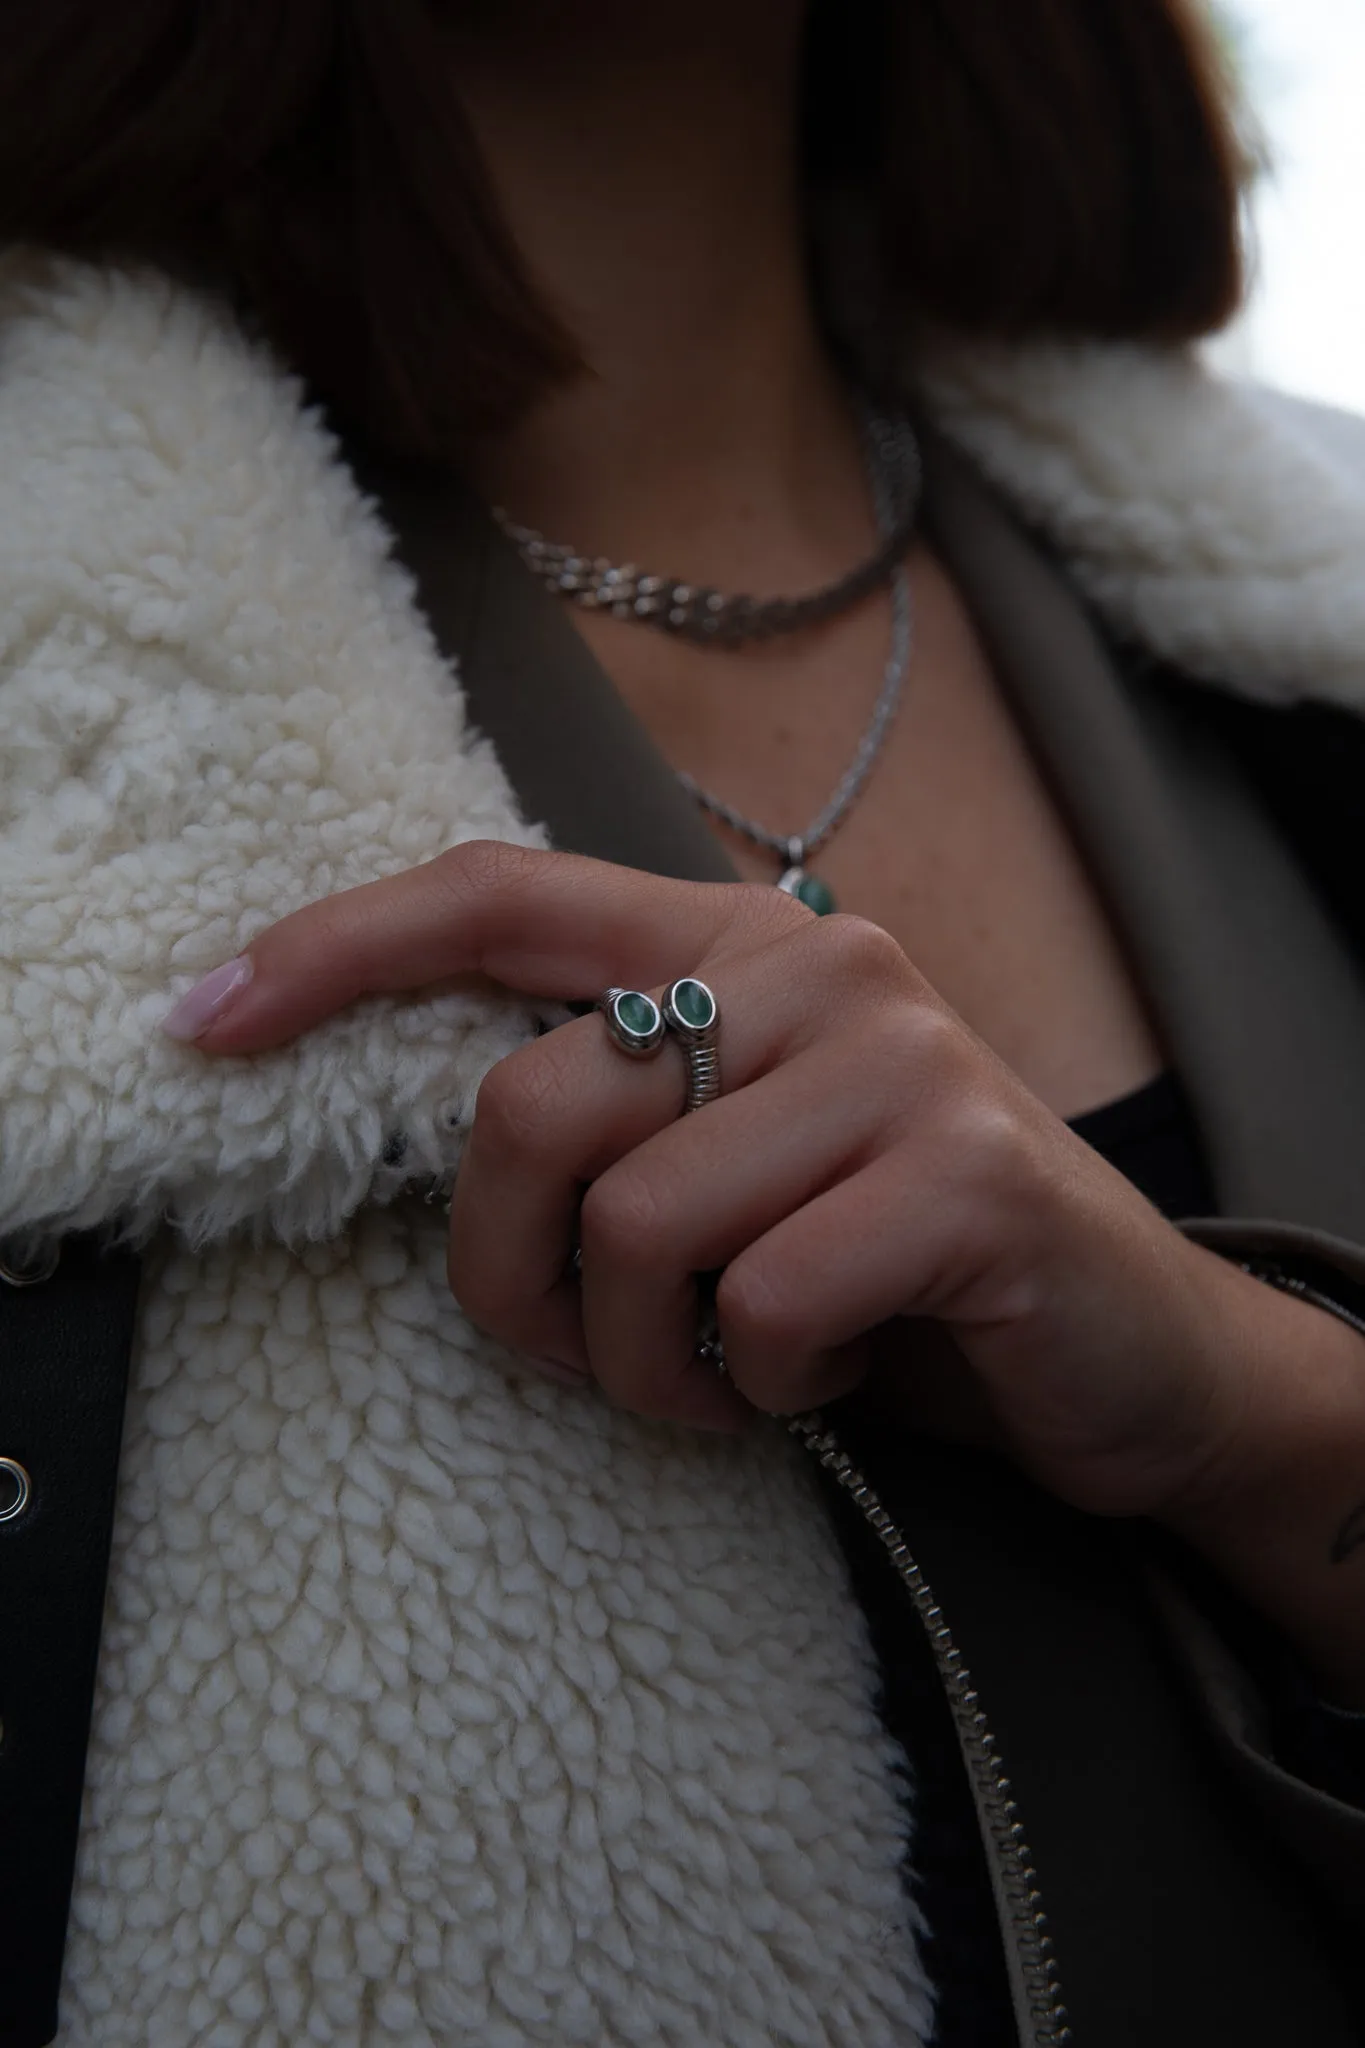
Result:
pixel 1262 1008
pixel 579 761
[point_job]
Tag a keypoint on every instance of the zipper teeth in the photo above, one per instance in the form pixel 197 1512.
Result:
pixel 1274 1275
pixel 993 1793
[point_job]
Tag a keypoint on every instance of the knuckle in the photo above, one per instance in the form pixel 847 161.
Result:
pixel 482 870
pixel 623 1220
pixel 759 1316
pixel 856 949
pixel 907 1047
pixel 521 1103
pixel 759 910
pixel 926 1035
pixel 992 1130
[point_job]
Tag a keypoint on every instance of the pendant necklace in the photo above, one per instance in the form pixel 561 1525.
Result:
pixel 712 618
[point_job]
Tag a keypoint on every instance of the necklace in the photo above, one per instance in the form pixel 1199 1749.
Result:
pixel 795 849
pixel 708 615
pixel 697 612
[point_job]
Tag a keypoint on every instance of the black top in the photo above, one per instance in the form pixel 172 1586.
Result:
pixel 1150 1137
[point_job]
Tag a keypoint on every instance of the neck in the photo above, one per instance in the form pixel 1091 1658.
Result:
pixel 650 178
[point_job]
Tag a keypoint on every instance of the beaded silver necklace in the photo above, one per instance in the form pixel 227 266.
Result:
pixel 715 619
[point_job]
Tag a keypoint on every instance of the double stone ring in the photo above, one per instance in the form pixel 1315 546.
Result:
pixel 637 1025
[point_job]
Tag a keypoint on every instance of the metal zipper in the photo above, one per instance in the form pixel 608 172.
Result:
pixel 1039 2012
pixel 1274 1275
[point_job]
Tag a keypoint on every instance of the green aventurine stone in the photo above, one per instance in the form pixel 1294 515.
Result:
pixel 637 1013
pixel 694 1005
pixel 816 895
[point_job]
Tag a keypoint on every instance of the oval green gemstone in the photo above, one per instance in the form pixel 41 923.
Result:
pixel 816 895
pixel 637 1014
pixel 694 1004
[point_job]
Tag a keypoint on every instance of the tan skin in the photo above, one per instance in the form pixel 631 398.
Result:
pixel 889 1144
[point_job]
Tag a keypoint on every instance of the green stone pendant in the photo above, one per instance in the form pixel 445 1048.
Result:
pixel 810 890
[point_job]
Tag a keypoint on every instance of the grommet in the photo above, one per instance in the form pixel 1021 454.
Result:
pixel 30 1271
pixel 15 1490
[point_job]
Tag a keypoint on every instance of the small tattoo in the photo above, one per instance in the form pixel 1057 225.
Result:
pixel 1350 1536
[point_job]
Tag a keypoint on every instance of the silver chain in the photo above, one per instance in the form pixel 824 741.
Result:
pixel 796 848
pixel 697 612
pixel 895 472
pixel 888 441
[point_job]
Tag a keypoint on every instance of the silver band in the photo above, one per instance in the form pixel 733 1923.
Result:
pixel 692 1014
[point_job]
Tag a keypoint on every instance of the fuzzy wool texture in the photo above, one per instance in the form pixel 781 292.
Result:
pixel 441 1705
pixel 218 704
pixel 1205 523
pixel 436 1705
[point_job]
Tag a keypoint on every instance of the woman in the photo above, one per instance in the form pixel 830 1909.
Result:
pixel 444 1700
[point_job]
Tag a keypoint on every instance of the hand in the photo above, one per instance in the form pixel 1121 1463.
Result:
pixel 869 1161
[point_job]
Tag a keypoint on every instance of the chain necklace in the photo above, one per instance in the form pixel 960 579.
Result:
pixel 795 849
pixel 697 612
pixel 709 616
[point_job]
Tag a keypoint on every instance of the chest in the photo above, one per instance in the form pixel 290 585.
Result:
pixel 955 846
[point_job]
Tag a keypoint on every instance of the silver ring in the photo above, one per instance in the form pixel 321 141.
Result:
pixel 692 1014
pixel 634 1022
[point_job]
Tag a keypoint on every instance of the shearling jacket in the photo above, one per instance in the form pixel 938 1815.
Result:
pixel 436 1704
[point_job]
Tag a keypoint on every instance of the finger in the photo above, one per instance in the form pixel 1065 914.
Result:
pixel 693 1198
pixel 558 1114
pixel 829 1272
pixel 547 924
pixel 547 1120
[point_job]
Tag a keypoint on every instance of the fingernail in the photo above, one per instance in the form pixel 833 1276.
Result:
pixel 555 1369
pixel 207 1000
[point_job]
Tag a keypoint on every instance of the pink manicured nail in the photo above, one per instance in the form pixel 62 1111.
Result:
pixel 207 1000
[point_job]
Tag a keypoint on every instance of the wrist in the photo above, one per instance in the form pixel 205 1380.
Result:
pixel 1278 1503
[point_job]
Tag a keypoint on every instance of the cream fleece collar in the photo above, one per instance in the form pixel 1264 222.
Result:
pixel 1204 521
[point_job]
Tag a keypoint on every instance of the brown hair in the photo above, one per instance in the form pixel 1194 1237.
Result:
pixel 1062 166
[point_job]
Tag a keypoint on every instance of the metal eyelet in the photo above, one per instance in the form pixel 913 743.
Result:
pixel 20 1487
pixel 32 1271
